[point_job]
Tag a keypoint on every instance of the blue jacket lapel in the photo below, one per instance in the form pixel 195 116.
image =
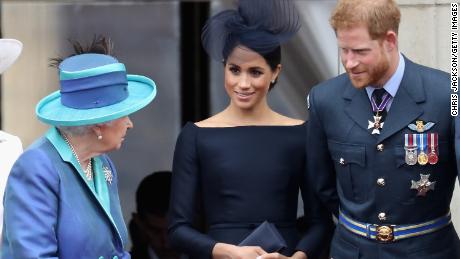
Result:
pixel 357 105
pixel 406 106
pixel 113 203
pixel 66 154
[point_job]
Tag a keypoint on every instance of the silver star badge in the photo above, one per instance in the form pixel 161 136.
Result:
pixel 423 185
pixel 107 174
pixel 376 125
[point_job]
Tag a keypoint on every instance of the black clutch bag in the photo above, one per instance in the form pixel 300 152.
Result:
pixel 267 237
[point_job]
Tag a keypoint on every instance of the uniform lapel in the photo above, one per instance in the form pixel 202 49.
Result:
pixel 357 105
pixel 406 106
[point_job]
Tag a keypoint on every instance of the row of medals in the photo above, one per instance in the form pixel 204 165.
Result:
pixel 416 153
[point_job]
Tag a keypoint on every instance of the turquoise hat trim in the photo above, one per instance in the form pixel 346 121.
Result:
pixel 142 90
pixel 115 67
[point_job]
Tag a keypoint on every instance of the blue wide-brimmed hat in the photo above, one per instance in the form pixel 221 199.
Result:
pixel 94 89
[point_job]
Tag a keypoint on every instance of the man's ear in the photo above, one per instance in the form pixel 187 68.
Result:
pixel 391 40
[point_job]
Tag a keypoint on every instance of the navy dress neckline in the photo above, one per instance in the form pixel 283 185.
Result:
pixel 249 126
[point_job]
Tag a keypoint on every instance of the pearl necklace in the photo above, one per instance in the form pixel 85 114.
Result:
pixel 89 168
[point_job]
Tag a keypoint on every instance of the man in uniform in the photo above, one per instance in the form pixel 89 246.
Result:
pixel 381 143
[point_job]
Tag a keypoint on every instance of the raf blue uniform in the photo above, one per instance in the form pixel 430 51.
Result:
pixel 364 178
pixel 52 211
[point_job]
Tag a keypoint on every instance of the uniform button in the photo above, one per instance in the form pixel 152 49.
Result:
pixel 382 216
pixel 342 161
pixel 380 147
pixel 381 182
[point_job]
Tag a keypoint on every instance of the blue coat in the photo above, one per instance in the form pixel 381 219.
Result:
pixel 364 179
pixel 52 212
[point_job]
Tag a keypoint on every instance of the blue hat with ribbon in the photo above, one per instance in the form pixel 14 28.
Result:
pixel 94 89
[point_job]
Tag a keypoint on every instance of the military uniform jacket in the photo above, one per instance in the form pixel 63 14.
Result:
pixel 366 175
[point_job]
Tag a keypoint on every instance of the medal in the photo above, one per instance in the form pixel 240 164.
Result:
pixel 410 145
pixel 411 156
pixel 432 158
pixel 433 144
pixel 377 124
pixel 423 185
pixel 422 156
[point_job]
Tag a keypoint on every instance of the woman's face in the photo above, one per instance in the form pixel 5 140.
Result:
pixel 113 133
pixel 247 78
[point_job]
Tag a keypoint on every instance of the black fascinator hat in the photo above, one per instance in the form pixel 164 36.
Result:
pixel 260 25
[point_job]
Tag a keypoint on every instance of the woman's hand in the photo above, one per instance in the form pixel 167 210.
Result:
pixel 296 255
pixel 227 251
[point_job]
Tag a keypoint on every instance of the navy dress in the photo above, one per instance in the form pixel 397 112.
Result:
pixel 242 176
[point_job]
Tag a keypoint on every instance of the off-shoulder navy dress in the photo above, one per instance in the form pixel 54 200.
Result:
pixel 242 176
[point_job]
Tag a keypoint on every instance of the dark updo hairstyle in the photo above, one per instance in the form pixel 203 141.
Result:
pixel 260 25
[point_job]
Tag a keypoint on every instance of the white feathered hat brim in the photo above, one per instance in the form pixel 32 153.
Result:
pixel 9 52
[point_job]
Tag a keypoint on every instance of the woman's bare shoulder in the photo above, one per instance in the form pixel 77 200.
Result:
pixel 288 121
pixel 215 121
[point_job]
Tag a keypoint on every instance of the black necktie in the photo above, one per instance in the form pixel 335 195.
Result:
pixel 377 95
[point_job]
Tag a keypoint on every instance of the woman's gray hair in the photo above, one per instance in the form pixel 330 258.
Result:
pixel 80 130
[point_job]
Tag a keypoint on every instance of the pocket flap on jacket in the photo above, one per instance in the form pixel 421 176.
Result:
pixel 344 153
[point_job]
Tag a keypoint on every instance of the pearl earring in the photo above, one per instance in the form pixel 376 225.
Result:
pixel 273 81
pixel 99 137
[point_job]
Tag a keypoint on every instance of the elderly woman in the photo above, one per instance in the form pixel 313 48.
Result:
pixel 61 199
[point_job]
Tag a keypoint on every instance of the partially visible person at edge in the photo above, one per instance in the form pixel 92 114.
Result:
pixel 383 133
pixel 148 227
pixel 10 145
pixel 61 199
pixel 247 163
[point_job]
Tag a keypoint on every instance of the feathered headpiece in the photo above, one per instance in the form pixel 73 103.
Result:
pixel 261 25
